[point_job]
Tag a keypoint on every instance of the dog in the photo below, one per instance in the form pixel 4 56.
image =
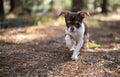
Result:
pixel 76 31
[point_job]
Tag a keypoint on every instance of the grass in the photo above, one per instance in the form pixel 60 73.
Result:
pixel 116 39
pixel 93 45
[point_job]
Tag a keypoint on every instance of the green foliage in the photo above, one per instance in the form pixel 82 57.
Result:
pixel 43 19
pixel 93 45
pixel 116 39
pixel 68 4
pixel 114 4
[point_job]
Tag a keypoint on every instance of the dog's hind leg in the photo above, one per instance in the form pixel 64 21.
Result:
pixel 86 41
pixel 86 37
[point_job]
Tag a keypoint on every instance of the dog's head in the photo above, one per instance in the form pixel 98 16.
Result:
pixel 73 19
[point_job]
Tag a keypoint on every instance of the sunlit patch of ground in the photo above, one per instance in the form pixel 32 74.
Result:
pixel 39 51
pixel 22 35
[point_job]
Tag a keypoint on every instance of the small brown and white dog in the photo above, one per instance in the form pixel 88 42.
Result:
pixel 76 31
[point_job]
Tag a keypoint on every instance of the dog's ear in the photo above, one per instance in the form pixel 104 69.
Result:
pixel 64 13
pixel 83 13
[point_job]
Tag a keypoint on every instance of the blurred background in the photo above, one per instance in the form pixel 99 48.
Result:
pixel 32 39
pixel 19 13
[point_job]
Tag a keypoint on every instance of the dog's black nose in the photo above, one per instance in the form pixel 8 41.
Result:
pixel 72 29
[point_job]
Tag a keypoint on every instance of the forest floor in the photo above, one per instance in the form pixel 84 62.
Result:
pixel 39 51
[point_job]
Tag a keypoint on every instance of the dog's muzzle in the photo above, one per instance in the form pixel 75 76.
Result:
pixel 72 29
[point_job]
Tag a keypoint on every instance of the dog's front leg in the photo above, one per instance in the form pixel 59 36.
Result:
pixel 76 52
pixel 68 41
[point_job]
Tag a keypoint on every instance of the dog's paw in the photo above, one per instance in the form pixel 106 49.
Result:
pixel 72 49
pixel 74 57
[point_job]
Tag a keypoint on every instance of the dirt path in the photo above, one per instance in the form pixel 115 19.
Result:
pixel 40 52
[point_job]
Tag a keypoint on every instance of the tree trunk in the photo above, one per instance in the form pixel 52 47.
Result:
pixel 12 5
pixel 51 5
pixel 95 4
pixel 77 5
pixel 1 10
pixel 104 6
pixel 16 6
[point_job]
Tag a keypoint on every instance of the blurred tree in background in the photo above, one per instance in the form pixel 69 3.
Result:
pixel 40 8
pixel 1 10
pixel 43 6
pixel 104 6
pixel 77 5
pixel 16 6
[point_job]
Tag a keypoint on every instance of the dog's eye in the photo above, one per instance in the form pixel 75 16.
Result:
pixel 77 26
